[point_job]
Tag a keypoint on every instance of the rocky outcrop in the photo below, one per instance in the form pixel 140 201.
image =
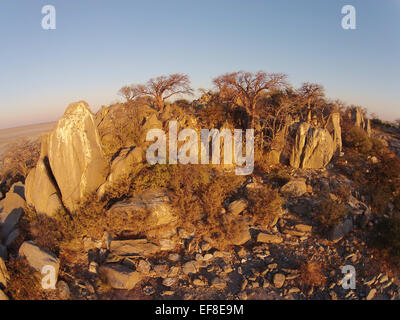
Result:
pixel 41 190
pixel 336 131
pixel 313 147
pixel 71 165
pixel 11 210
pixel 75 155
pixel 359 121
pixel 357 117
pixel 274 156
pixel 155 203
pixel 300 141
pixel 126 163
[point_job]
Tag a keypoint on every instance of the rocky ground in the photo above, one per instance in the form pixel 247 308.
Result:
pixel 288 260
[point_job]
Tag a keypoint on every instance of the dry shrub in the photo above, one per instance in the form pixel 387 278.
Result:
pixel 343 192
pixel 384 182
pixel 198 193
pixel 330 214
pixel 386 239
pixel 357 139
pixel 265 205
pixel 312 274
pixel 121 126
pixel 25 283
pixel 48 233
pixel 278 176
pixel 17 161
pixel 261 162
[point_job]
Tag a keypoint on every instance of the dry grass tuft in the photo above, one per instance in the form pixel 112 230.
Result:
pixel 312 274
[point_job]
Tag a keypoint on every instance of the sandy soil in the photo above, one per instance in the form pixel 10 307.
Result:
pixel 11 135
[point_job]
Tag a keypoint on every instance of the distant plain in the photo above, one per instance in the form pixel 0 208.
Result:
pixel 31 132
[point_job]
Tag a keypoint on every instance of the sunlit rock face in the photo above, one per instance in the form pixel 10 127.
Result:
pixel 313 148
pixel 75 155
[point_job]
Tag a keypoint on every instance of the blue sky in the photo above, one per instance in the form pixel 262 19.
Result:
pixel 100 45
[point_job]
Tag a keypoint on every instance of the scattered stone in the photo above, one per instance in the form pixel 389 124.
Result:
pixel 238 206
pixel 161 270
pixel 269 238
pixel 93 267
pixel 143 267
pixel 183 234
pixel 38 258
pixel 242 296
pixel 294 188
pixel 207 257
pixel 119 276
pixel 189 267
pixel 384 278
pixel 370 281
pixel 374 160
pixel 169 282
pixel 294 290
pixel 167 245
pixel 199 283
pixel 205 246
pixel 133 247
pixel 174 257
pixel 148 290
pixel 294 233
pixel 218 283
pixel 371 294
pixel 174 271
pixel 63 290
pixel 272 266
pixel 242 238
pixel 303 228
pixel 339 231
pixel 279 280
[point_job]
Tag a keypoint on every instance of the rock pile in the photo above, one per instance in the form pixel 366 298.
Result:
pixel 313 147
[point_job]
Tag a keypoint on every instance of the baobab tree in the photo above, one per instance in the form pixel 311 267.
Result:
pixel 245 88
pixel 311 94
pixel 160 88
pixel 132 92
pixel 164 87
